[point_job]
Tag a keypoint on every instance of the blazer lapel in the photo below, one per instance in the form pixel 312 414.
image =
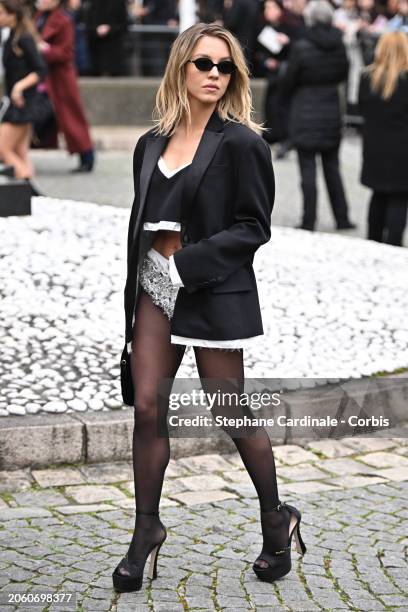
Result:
pixel 154 148
pixel 209 143
pixel 204 154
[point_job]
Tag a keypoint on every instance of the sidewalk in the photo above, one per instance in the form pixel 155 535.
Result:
pixel 66 529
pixel 111 182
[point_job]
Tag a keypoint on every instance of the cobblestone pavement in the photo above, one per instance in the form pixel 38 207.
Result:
pixel 111 183
pixel 64 530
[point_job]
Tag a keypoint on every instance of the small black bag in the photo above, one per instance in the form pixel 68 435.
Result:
pixel 43 115
pixel 126 381
pixel 43 110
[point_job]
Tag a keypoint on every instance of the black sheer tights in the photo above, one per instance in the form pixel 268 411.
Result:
pixel 224 371
pixel 153 358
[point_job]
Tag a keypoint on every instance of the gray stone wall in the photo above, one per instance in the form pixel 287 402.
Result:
pixel 130 100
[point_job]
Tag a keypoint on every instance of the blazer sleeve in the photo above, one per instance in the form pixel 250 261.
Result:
pixel 210 261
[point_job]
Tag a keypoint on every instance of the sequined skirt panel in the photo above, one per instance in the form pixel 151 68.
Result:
pixel 155 280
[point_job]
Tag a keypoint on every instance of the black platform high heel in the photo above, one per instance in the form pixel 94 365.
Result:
pixel 280 562
pixel 134 581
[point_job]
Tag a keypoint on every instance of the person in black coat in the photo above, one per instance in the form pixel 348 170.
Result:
pixel 155 46
pixel 75 8
pixel 159 12
pixel 272 60
pixel 210 10
pixel 241 17
pixel 317 64
pixel 384 107
pixel 106 23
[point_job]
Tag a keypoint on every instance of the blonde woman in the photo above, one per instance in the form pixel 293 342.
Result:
pixel 383 100
pixel 204 192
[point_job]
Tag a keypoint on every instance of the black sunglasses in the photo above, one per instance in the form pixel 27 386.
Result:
pixel 204 64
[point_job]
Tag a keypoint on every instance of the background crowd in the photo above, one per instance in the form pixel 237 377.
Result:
pixel 308 52
pixel 109 32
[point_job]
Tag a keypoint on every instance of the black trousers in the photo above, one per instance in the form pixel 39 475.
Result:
pixel 334 184
pixel 107 56
pixel 387 217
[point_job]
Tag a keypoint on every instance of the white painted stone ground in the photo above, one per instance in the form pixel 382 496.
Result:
pixel 333 308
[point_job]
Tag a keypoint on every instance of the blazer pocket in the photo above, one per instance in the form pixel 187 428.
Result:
pixel 238 281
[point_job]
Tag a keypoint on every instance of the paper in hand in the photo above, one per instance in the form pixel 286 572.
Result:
pixel 269 39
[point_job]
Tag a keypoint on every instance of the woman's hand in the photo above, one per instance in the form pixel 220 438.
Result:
pixel 43 46
pixel 103 30
pixel 139 11
pixel 17 96
pixel 74 5
pixel 271 63
pixel 283 39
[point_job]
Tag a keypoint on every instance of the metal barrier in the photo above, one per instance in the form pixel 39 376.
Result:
pixel 146 48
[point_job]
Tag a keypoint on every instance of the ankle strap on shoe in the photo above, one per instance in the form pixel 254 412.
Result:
pixel 276 509
pixel 155 513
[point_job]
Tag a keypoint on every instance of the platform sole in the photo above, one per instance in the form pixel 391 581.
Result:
pixel 270 575
pixel 125 584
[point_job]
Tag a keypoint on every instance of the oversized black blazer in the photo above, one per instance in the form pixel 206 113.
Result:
pixel 226 216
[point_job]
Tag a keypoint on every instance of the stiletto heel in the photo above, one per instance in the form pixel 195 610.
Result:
pixel 300 545
pixel 280 562
pixel 126 583
pixel 154 555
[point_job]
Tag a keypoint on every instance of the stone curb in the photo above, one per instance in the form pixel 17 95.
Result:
pixel 44 440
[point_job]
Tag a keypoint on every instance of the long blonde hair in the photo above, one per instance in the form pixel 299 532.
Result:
pixel 172 103
pixel 390 62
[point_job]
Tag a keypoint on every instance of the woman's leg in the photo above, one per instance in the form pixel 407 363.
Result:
pixel 395 218
pixel 11 137
pixel 226 368
pixel 376 217
pixel 335 188
pixel 307 168
pixel 72 121
pixel 23 150
pixel 153 357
